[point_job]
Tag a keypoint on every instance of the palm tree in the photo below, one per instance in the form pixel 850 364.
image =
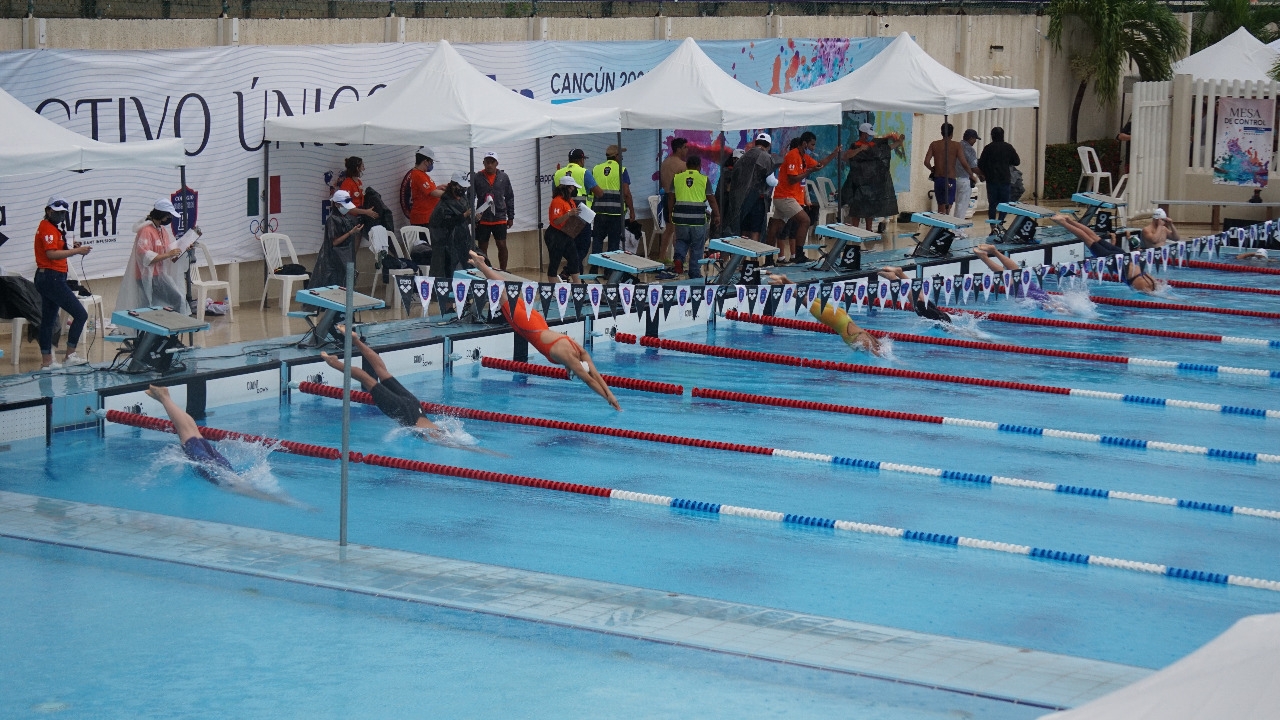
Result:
pixel 1219 18
pixel 1143 32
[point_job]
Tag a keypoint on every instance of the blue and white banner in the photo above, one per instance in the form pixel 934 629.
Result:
pixel 216 99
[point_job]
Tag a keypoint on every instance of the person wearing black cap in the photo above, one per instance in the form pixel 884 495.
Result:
pixel 492 190
pixel 451 228
pixel 612 200
pixel 585 182
pixel 51 282
pixel 423 191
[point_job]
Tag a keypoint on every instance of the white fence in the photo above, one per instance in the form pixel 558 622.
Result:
pixel 984 120
pixel 1149 149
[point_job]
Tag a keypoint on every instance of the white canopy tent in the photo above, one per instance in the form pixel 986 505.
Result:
pixel 904 78
pixel 33 144
pixel 1236 675
pixel 1238 56
pixel 443 101
pixel 690 92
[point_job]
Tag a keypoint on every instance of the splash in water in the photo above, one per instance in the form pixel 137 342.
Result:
pixel 963 324
pixel 449 432
pixel 251 476
pixel 886 350
pixel 1076 302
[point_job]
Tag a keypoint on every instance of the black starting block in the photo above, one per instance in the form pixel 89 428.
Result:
pixel 740 250
pixel 1022 230
pixel 331 304
pixel 942 232
pixel 1100 214
pixel 846 253
pixel 158 329
pixel 623 265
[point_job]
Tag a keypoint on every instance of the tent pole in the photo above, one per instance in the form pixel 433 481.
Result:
pixel 537 184
pixel 471 195
pixel 946 148
pixel 839 154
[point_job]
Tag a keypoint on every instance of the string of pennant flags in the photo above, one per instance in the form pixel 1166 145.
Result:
pixel 649 299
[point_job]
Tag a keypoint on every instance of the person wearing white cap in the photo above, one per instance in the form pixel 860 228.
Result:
pixel 451 228
pixel 51 282
pixel 751 194
pixel 154 277
pixel 491 187
pixel 868 191
pixel 423 191
pixel 1159 231
pixel 341 240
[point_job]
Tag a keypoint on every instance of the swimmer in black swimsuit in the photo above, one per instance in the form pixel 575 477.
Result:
pixel 924 306
pixel 389 395
pixel 1134 276
pixel 208 459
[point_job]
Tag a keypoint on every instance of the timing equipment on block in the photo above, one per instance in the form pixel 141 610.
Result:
pixel 1022 230
pixel 158 329
pixel 740 250
pixel 942 232
pixel 331 302
pixel 846 253
pixel 623 266
pixel 1101 213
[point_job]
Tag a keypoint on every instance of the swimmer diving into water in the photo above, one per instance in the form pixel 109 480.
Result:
pixel 556 347
pixel 1135 277
pixel 1032 292
pixel 837 319
pixel 389 395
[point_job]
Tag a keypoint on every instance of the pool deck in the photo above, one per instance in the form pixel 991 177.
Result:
pixel 986 670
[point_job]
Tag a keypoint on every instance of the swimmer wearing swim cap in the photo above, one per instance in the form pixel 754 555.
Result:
pixel 392 398
pixel 852 335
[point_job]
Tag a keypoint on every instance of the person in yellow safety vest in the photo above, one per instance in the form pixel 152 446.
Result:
pixel 612 200
pixel 577 169
pixel 689 200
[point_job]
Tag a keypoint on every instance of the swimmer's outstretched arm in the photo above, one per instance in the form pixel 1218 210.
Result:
pixel 573 358
pixel 984 253
pixel 479 263
pixel 183 424
pixel 892 272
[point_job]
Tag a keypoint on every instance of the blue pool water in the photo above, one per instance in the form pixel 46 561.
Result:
pixel 1088 611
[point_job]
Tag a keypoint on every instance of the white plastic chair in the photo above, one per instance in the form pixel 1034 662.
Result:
pixel 411 235
pixel 656 209
pixel 1118 191
pixel 826 207
pixel 828 187
pixel 402 251
pixel 1091 168
pixel 271 243
pixel 203 286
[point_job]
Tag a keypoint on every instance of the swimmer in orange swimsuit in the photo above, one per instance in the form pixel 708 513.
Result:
pixel 556 347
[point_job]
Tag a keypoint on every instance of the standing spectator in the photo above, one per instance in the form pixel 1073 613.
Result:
pixel 151 279
pixel 868 190
pixel 585 183
pixel 560 244
pixel 352 182
pixel 689 199
pixel 724 191
pixel 750 191
pixel 51 282
pixel 964 188
pixel 789 197
pixel 492 186
pixel 674 164
pixel 943 158
pixel 342 232
pixel 612 200
pixel 451 228
pixel 423 192
pixel 997 162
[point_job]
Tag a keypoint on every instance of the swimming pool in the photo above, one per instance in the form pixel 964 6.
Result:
pixel 1109 614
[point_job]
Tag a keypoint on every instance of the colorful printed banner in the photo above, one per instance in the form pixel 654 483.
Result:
pixel 1242 142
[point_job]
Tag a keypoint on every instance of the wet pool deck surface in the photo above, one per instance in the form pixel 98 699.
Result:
pixel 986 670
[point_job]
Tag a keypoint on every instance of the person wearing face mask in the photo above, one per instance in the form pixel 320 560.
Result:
pixel 154 277
pixel 51 282
pixel 341 238
pixel 423 192
pixel 451 228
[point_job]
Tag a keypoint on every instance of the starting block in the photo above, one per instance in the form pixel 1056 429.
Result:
pixel 331 301
pixel 158 329
pixel 1101 212
pixel 846 253
pixel 622 265
pixel 1022 230
pixel 942 232
pixel 740 250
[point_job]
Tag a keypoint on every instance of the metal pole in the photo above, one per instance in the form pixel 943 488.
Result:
pixel 471 197
pixel 839 163
pixel 1035 179
pixel 537 183
pixel 346 403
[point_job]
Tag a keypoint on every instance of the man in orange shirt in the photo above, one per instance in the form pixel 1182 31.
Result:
pixel 789 196
pixel 423 192
pixel 51 282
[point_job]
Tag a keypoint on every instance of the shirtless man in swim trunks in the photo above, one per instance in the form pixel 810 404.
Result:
pixel 207 458
pixel 556 347
pixel 1134 276
pixel 389 395
pixel 1159 231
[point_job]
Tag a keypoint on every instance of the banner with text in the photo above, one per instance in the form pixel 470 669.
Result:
pixel 1242 144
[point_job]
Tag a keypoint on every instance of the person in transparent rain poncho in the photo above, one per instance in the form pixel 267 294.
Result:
pixel 154 276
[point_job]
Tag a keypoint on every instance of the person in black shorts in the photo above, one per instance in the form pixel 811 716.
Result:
pixel 209 462
pixel 389 395
pixel 1134 276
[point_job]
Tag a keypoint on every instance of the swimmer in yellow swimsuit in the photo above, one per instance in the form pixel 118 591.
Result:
pixel 837 319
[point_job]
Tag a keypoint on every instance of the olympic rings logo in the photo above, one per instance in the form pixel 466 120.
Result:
pixel 263 226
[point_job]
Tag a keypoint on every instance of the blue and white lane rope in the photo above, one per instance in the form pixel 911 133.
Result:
pixel 983 479
pixel 1123 442
pixel 1201 367
pixel 951 540
pixel 1172 402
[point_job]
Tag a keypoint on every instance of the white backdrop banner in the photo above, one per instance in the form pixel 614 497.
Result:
pixel 215 99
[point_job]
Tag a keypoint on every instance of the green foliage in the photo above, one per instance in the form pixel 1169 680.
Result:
pixel 1062 165
pixel 1144 31
pixel 1219 18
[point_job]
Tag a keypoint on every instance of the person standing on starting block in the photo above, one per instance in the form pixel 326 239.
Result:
pixel 556 347
pixel 389 395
